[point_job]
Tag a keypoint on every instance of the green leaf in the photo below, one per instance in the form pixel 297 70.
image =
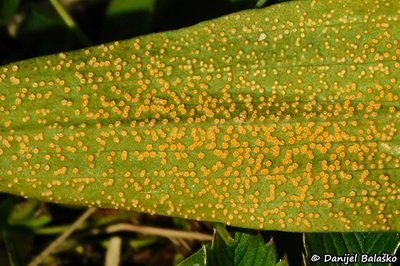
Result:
pixel 223 233
pixel 22 211
pixel 38 24
pixel 250 249
pixel 130 17
pixel 284 118
pixel 199 258
pixel 6 207
pixel 351 248
pixel 11 249
pixel 260 3
pixel 7 10
pixel 26 215
pixel 19 244
pixel 39 20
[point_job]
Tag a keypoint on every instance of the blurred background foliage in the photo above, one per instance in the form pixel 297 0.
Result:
pixel 29 28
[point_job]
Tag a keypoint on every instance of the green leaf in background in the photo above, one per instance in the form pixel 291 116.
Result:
pixel 19 245
pixel 353 248
pixel 130 17
pixel 7 10
pixel 199 258
pixel 6 207
pixel 249 249
pixel 284 118
pixel 39 23
pixel 26 214
pixel 15 234
pixel 260 3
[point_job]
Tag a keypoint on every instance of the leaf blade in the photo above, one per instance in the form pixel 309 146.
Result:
pixel 262 136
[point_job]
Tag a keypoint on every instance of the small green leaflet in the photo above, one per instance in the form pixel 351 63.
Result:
pixel 249 249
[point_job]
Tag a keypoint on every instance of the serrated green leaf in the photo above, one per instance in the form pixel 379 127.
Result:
pixel 250 249
pixel 283 118
pixel 352 248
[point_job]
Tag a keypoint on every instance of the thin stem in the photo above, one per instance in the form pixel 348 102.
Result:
pixel 158 231
pixel 70 22
pixel 113 254
pixel 50 249
pixel 53 230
